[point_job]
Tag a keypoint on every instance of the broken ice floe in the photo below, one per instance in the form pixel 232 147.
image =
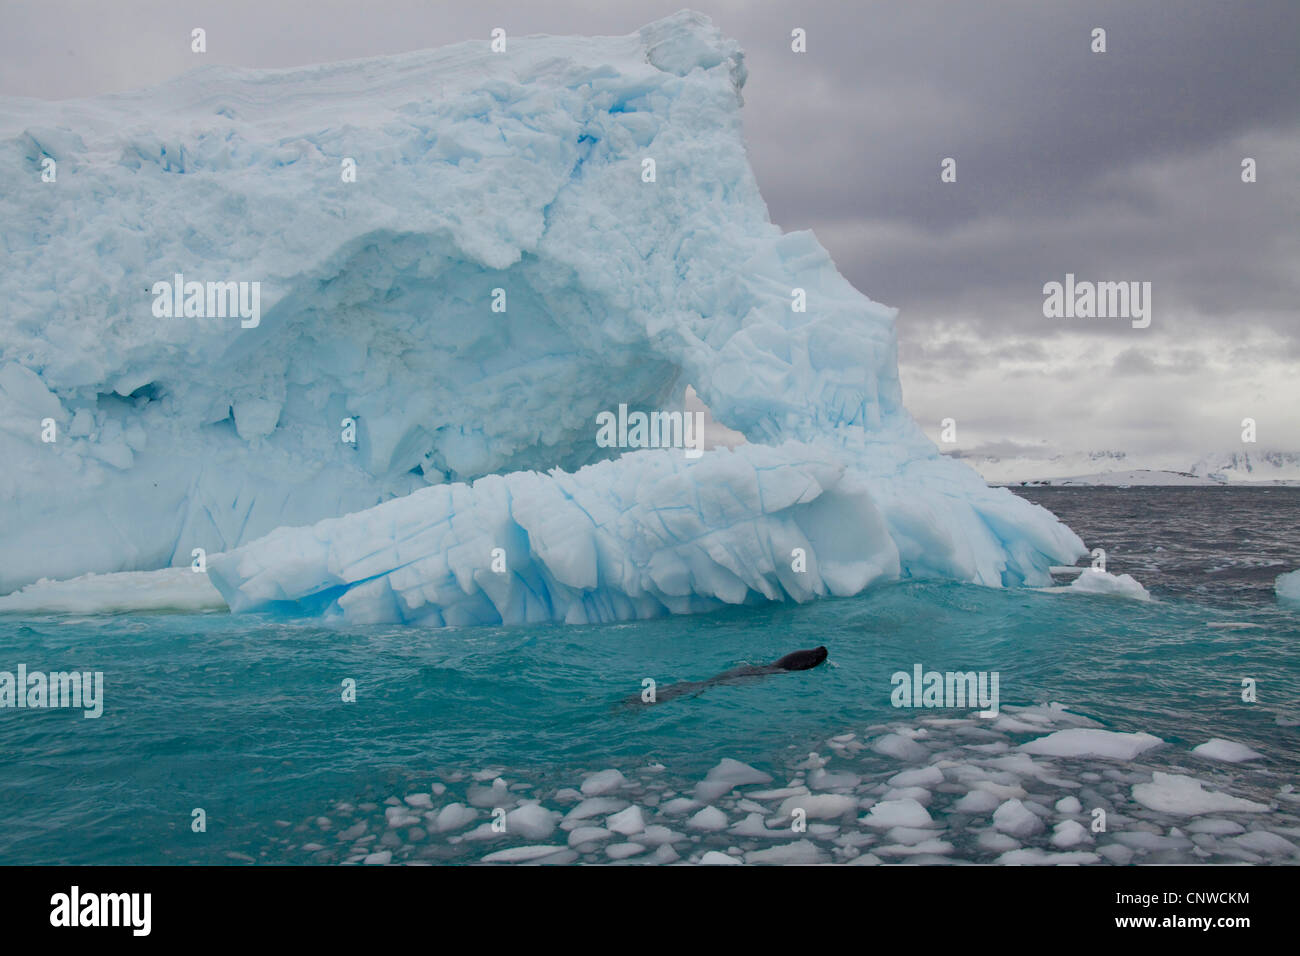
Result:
pixel 1041 785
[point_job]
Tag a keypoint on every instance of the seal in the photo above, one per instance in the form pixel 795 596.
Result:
pixel 794 661
pixel 801 660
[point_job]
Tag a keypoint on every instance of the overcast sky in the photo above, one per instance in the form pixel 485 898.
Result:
pixel 1117 166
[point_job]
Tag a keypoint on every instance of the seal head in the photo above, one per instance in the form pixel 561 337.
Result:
pixel 802 660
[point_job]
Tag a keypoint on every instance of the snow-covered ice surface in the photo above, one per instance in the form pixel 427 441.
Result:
pixel 168 589
pixel 1041 785
pixel 617 540
pixel 520 171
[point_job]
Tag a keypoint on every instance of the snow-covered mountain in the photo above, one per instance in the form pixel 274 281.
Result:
pixel 1120 468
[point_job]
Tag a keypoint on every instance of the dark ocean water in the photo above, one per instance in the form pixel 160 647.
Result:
pixel 1217 545
pixel 242 717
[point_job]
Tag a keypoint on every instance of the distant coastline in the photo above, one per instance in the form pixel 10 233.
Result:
pixel 1040 467
pixel 1146 478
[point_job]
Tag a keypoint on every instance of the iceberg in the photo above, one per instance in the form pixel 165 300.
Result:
pixel 460 258
pixel 1287 587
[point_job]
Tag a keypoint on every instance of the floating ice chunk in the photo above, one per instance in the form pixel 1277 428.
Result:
pixel 922 777
pixel 484 831
pixel 1094 581
pixel 1030 855
pixel 1269 844
pixel 655 835
pixel 1173 793
pixel 497 795
pixel 995 842
pixel 1070 833
pixel 930 846
pixel 678 805
pixel 522 854
pixel 801 852
pixel 454 816
pixel 996 747
pixel 1088 742
pixel 380 858
pixel 866 859
pixel 627 822
pixel 606 781
pixel 1015 819
pixel 400 817
pixel 1002 791
pixel 1011 725
pixel 353 832
pixel 1215 826
pixel 898 813
pixel 753 826
pixel 621 851
pixel 822 806
pixel 593 807
pixel 1053 712
pixel 900 747
pixel 665 854
pixel 854 838
pixel 977 801
pixel 814 761
pixel 908 836
pixel 1019 764
pixel 420 801
pixel 709 819
pixel 919 794
pixel 714 858
pixel 820 779
pixel 1069 805
pixel 1117 853
pixel 1287 587
pixel 779 794
pixel 531 821
pixel 725 777
pixel 1146 840
pixel 581 835
pixel 1217 748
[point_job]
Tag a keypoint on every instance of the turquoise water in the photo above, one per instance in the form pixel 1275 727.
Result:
pixel 243 717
